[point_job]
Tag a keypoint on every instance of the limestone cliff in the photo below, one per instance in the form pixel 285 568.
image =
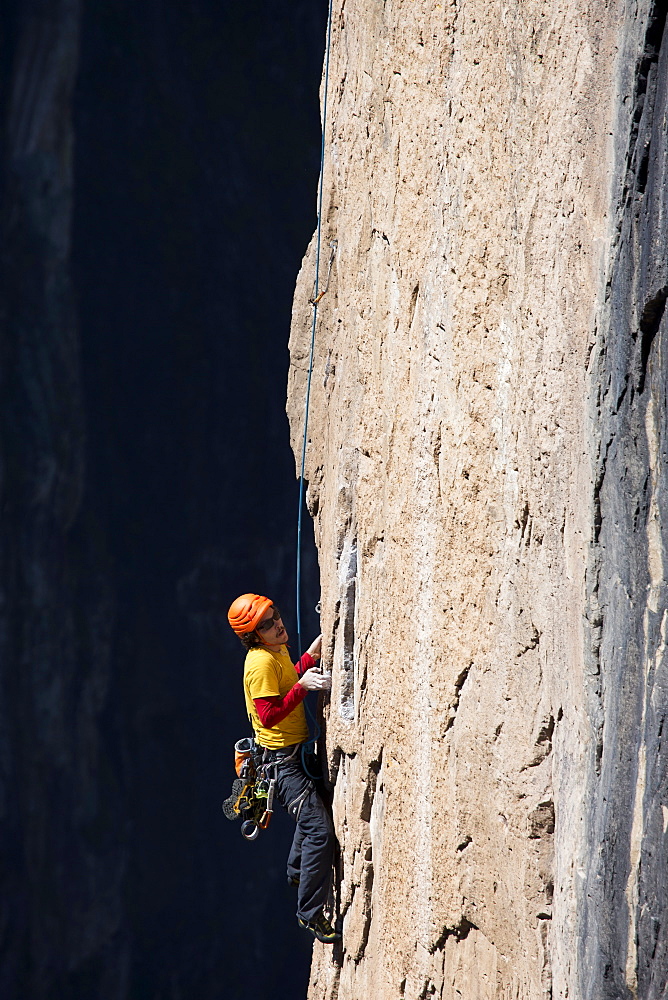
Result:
pixel 486 468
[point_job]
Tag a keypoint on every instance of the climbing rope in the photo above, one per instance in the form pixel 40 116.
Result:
pixel 317 296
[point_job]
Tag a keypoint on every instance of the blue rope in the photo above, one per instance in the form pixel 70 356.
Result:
pixel 315 727
pixel 313 328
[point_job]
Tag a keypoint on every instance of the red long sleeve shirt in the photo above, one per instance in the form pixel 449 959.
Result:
pixel 273 710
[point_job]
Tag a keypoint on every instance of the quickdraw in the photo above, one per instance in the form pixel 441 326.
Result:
pixel 317 296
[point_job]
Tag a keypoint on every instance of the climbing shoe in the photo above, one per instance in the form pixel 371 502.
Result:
pixel 320 928
pixel 293 880
pixel 231 804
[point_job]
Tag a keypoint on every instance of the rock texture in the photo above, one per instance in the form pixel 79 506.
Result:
pixel 486 471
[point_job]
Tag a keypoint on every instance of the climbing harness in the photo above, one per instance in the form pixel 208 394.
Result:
pixel 317 296
pixel 254 790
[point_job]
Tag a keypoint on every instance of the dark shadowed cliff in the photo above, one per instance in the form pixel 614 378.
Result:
pixel 625 937
pixel 159 171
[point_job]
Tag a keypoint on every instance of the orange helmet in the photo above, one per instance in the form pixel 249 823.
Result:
pixel 247 612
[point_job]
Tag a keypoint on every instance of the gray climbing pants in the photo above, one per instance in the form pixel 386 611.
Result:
pixel 310 857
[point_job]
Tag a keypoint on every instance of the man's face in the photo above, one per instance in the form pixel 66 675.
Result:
pixel 271 630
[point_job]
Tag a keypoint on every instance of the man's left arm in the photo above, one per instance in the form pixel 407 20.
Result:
pixel 304 664
pixel 310 657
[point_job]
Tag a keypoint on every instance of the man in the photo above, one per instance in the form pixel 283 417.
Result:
pixel 274 689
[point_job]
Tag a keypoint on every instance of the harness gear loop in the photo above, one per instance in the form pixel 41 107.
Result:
pixel 264 820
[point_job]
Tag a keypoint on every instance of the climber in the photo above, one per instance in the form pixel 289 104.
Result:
pixel 274 689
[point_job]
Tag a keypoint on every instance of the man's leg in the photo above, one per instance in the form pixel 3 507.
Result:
pixel 313 843
pixel 317 849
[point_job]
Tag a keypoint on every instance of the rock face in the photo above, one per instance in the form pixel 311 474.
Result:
pixel 487 477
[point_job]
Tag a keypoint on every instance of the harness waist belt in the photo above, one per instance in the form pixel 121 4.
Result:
pixel 284 753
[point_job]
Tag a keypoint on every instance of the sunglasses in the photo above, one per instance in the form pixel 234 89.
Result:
pixel 269 622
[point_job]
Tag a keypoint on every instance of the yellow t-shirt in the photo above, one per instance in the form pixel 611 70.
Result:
pixel 267 674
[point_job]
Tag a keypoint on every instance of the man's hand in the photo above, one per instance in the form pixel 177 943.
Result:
pixel 314 648
pixel 312 680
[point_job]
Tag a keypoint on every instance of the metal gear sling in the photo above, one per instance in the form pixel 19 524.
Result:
pixel 253 791
pixel 252 798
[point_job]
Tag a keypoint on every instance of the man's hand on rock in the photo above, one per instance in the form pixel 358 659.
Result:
pixel 313 680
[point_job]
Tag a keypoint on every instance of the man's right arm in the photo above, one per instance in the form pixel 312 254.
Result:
pixel 273 710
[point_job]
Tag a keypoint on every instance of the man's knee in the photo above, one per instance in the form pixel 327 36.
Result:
pixel 315 818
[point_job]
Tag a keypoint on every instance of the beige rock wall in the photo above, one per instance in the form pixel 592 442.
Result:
pixel 467 182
